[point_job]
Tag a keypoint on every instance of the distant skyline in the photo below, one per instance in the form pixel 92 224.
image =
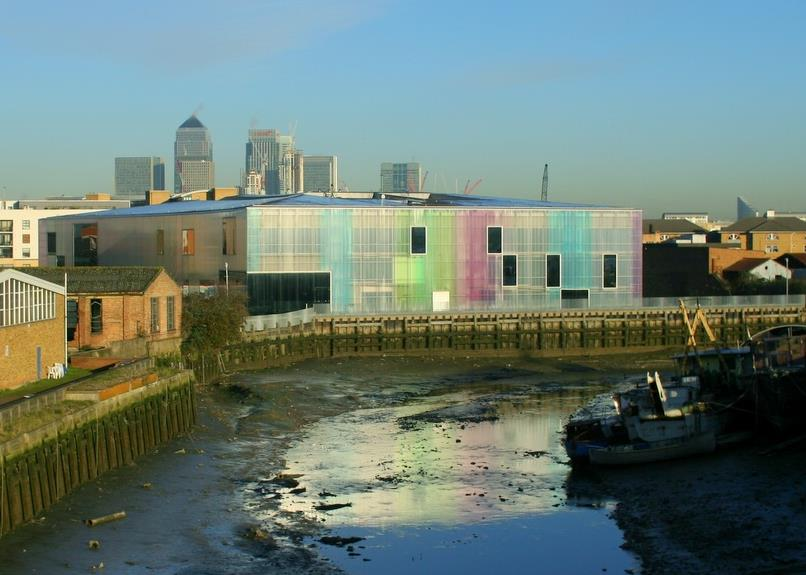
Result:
pixel 667 107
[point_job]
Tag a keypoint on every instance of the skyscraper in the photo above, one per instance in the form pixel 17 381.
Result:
pixel 193 153
pixel 400 178
pixel 134 176
pixel 273 156
pixel 321 173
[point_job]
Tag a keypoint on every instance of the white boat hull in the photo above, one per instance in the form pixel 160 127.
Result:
pixel 647 452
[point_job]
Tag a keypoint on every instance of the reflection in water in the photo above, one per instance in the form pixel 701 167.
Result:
pixel 428 484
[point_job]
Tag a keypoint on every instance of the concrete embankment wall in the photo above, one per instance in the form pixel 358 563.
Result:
pixel 535 333
pixel 40 467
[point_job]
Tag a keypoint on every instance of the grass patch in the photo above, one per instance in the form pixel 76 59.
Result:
pixel 73 374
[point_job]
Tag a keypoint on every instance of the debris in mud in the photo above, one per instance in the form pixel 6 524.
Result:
pixel 257 534
pixel 298 490
pixel 105 519
pixel 339 541
pixel 535 453
pixel 326 494
pixel 331 506
pixel 388 478
pixel 93 544
pixel 467 413
pixel 286 480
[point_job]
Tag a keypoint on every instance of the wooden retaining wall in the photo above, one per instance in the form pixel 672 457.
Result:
pixel 536 333
pixel 39 468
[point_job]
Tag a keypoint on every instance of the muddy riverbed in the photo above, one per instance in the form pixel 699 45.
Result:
pixel 402 465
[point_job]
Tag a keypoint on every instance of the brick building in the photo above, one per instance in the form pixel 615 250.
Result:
pixel 108 306
pixel 32 327
pixel 772 235
pixel 667 230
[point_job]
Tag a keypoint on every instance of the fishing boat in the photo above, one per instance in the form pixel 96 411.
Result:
pixel 650 422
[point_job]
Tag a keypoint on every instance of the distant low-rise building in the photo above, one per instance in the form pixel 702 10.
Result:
pixel 20 242
pixel 771 235
pixel 673 229
pixel 762 268
pixel 32 327
pixel 109 306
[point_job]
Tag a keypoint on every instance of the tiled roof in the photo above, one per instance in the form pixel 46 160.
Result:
pixel 796 261
pixel 98 280
pixel 746 264
pixel 673 226
pixel 761 224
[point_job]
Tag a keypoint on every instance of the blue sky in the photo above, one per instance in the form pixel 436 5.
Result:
pixel 664 106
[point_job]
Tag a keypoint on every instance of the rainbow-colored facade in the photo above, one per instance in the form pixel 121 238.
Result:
pixel 369 254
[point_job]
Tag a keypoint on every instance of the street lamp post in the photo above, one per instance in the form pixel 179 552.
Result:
pixel 786 262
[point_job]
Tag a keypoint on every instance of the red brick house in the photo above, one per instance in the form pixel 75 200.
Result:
pixel 110 306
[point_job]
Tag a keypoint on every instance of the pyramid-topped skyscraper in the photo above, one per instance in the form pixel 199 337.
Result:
pixel 193 155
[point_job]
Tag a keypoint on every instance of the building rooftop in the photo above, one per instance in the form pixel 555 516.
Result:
pixel 674 226
pixel 347 200
pixel 98 280
pixel 746 264
pixel 192 122
pixel 763 224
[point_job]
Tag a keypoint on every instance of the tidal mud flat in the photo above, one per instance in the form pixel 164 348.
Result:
pixel 399 465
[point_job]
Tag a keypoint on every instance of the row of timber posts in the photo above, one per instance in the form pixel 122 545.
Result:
pixel 515 332
pixel 35 478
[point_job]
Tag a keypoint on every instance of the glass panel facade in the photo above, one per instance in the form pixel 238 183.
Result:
pixel 368 254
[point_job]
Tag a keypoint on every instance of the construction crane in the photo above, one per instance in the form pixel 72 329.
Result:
pixel 470 187
pixel 544 194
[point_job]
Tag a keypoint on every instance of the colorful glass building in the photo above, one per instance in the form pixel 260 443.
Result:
pixel 369 253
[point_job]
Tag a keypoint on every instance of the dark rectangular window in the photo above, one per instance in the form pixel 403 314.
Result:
pixel 160 242
pixel 51 243
pixel 188 242
pixel 510 275
pixel 96 316
pixel 170 323
pixel 228 237
pixel 26 238
pixel 155 314
pixel 418 240
pixel 85 244
pixel 494 244
pixel 552 270
pixel 72 319
pixel 609 279
pixel 271 293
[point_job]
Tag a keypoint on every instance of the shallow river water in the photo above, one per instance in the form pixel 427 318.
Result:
pixel 407 465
